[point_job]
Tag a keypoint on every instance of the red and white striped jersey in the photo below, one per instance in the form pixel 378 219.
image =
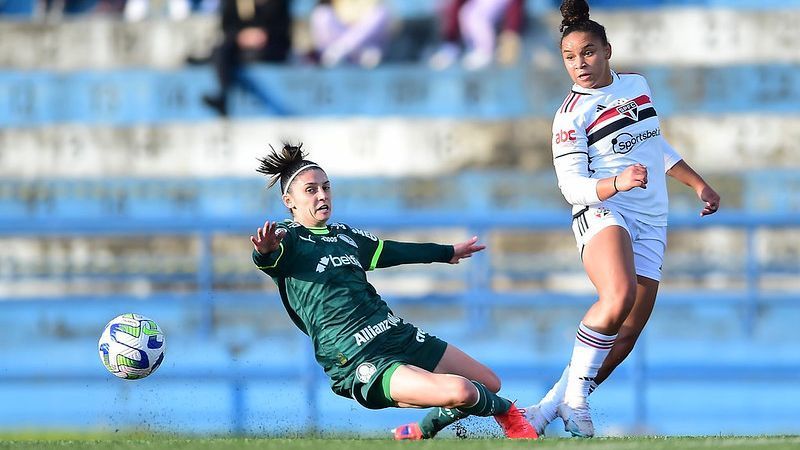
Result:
pixel 597 133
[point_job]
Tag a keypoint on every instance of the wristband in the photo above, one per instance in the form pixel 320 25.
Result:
pixel 615 185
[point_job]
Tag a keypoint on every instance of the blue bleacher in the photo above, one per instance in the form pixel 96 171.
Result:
pixel 130 97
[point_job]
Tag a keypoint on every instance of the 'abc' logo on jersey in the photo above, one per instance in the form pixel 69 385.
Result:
pixel 564 136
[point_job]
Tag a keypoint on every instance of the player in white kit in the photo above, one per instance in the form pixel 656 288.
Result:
pixel 611 161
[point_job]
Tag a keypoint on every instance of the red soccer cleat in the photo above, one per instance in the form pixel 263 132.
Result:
pixel 409 431
pixel 514 424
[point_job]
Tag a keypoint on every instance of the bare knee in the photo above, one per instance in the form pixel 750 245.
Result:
pixel 626 339
pixel 617 302
pixel 460 392
pixel 492 382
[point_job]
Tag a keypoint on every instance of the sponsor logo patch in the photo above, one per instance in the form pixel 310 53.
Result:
pixel 564 136
pixel 336 261
pixel 367 333
pixel 366 234
pixel 365 372
pixel 348 239
pixel 625 142
pixel 601 212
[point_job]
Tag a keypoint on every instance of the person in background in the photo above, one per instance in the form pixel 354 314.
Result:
pixel 611 161
pixel 349 31
pixel 370 354
pixel 252 30
pixel 484 31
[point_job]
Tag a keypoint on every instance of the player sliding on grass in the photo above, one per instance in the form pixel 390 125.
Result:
pixel 611 161
pixel 370 354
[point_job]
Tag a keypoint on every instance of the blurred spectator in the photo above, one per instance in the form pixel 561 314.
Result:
pixel 253 30
pixel 484 30
pixel 115 7
pixel 354 31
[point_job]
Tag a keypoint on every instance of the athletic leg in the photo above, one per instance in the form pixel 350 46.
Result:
pixel 646 291
pixel 477 20
pixel 226 60
pixel 455 361
pixel 648 254
pixel 609 262
pixel 544 412
pixel 415 387
pixel 541 414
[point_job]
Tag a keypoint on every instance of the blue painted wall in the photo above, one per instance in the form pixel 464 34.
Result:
pixel 147 96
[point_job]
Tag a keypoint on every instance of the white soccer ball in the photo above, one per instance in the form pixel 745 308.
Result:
pixel 131 346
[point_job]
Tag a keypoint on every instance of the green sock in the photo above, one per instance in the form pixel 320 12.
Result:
pixel 488 403
pixel 437 419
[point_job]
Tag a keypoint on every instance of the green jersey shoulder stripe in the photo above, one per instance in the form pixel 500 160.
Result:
pixel 376 256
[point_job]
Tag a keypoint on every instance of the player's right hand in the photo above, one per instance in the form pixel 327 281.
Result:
pixel 632 177
pixel 268 238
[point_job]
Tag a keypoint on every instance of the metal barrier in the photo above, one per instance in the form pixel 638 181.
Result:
pixel 123 97
pixel 50 215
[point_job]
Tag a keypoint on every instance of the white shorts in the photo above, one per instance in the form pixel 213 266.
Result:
pixel 649 241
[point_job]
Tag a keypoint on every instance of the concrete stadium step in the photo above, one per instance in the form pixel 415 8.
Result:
pixel 363 147
pixel 683 35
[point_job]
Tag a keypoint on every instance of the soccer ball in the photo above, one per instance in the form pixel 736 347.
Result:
pixel 131 346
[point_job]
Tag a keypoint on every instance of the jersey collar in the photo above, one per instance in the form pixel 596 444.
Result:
pixel 583 90
pixel 318 230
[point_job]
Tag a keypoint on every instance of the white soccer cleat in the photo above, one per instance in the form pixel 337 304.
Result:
pixel 537 418
pixel 577 420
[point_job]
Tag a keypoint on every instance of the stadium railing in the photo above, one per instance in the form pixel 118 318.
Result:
pixel 142 96
pixel 480 203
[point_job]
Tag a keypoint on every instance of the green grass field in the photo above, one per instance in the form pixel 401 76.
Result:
pixel 627 443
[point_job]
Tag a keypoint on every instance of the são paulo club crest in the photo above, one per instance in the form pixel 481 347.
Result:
pixel 629 109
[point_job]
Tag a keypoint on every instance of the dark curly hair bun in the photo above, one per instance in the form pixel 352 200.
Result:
pixel 574 12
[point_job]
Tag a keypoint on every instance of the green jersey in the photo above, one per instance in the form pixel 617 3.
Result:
pixel 321 275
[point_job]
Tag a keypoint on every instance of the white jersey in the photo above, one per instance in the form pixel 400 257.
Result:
pixel 597 133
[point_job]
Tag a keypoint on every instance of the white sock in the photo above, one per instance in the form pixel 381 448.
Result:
pixel 592 386
pixel 548 405
pixel 588 354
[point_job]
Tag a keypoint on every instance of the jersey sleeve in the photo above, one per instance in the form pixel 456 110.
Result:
pixel 397 253
pixel 377 253
pixel 369 246
pixel 571 160
pixel 671 156
pixel 273 263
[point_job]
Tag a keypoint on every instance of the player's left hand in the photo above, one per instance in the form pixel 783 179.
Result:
pixel 711 199
pixel 465 249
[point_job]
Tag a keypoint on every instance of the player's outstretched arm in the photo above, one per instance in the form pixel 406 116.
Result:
pixel 465 249
pixel 268 238
pixel 682 172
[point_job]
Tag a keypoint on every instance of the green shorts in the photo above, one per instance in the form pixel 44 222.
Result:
pixel 367 381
